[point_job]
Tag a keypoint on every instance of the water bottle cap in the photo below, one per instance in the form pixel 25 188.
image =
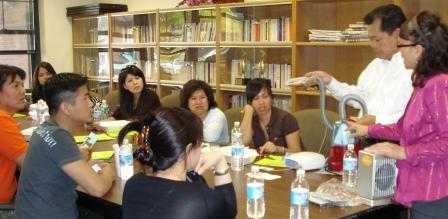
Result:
pixel 350 146
pixel 237 123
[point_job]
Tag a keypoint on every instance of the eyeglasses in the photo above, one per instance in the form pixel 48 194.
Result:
pixel 406 45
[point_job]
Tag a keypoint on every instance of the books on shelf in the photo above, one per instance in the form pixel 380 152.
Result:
pixel 183 71
pixel 237 101
pixel 203 31
pixel 135 34
pixel 257 30
pixel 279 74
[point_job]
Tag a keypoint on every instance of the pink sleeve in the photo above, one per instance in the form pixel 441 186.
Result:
pixel 387 132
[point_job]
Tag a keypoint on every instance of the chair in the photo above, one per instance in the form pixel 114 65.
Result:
pixel 233 115
pixel 172 100
pixel 314 134
pixel 113 99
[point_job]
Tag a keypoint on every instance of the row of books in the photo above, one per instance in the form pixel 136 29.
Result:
pixel 279 74
pixel 203 31
pixel 135 34
pixel 183 71
pixel 237 101
pixel 261 30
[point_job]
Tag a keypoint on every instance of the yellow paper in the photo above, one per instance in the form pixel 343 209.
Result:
pixel 102 155
pixel 101 137
pixel 271 160
pixel 18 115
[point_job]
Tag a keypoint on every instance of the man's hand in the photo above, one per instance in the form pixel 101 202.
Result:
pixel 326 78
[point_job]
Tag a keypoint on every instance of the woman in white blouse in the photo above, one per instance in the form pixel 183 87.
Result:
pixel 197 96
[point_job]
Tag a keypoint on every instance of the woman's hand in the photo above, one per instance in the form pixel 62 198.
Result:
pixel 387 149
pixel 212 160
pixel 248 110
pixel 270 148
pixel 357 129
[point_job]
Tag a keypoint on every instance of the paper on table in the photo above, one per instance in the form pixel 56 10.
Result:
pixel 267 176
pixel 28 131
pixel 271 160
pixel 101 137
pixel 102 155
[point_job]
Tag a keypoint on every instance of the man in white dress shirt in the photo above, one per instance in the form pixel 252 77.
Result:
pixel 385 84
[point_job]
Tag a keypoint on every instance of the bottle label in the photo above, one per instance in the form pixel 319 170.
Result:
pixel 350 164
pixel 237 150
pixel 255 190
pixel 125 159
pixel 300 196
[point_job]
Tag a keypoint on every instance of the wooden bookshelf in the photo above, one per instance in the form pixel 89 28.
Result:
pixel 164 42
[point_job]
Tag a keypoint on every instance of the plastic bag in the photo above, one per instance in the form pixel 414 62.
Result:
pixel 337 194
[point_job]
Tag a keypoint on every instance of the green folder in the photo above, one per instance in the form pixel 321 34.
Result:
pixel 101 137
pixel 272 161
pixel 102 155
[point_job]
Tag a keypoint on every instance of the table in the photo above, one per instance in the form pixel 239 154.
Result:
pixel 276 196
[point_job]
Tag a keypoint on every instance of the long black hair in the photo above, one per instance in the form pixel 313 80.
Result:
pixel 37 92
pixel 427 30
pixel 148 101
pixel 165 136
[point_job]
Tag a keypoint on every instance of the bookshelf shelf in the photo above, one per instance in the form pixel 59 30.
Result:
pixel 242 88
pixel 257 44
pixel 90 46
pixel 188 44
pixel 133 45
pixel 333 44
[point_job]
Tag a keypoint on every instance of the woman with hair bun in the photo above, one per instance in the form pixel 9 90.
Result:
pixel 171 145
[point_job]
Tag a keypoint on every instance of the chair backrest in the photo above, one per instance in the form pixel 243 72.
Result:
pixel 113 99
pixel 314 134
pixel 233 115
pixel 172 100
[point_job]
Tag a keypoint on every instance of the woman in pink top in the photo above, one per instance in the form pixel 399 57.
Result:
pixel 422 132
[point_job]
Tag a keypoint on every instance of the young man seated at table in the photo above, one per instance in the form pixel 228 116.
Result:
pixel 53 166
pixel 12 143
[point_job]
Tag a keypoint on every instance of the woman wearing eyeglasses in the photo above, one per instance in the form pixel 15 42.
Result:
pixel 422 132
pixel 136 100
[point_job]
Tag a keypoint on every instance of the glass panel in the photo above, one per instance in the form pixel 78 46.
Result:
pixel 21 61
pixel 183 64
pixel 188 26
pixel 90 31
pixel 1 16
pixel 134 28
pixel 15 42
pixel 18 15
pixel 92 62
pixel 240 64
pixel 144 58
pixel 253 24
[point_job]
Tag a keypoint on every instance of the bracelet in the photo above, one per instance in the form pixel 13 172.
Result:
pixel 222 173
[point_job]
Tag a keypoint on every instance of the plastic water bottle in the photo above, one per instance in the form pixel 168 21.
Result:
pixel 350 166
pixel 42 111
pixel 33 114
pixel 237 148
pixel 126 160
pixel 104 110
pixel 97 113
pixel 255 194
pixel 299 197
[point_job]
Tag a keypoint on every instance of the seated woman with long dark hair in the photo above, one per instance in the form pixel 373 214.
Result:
pixel 171 145
pixel 136 99
pixel 42 73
